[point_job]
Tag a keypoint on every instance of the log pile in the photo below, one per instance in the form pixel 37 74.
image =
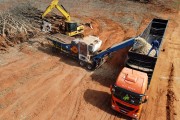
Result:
pixel 19 20
pixel 23 22
pixel 18 25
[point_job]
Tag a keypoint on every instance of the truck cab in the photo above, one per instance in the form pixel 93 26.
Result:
pixel 129 92
pixel 87 48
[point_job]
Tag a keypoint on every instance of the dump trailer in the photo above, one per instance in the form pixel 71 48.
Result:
pixel 85 50
pixel 129 91
pixel 145 63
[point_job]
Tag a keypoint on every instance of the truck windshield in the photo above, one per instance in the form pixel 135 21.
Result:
pixel 127 96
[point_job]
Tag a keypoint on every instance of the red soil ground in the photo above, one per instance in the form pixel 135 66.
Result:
pixel 38 84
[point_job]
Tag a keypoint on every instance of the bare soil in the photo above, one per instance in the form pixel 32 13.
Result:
pixel 36 83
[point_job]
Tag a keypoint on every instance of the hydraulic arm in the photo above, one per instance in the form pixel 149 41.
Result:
pixel 54 4
pixel 69 27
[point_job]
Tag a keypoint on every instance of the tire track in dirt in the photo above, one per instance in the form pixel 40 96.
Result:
pixel 32 82
pixel 20 64
pixel 69 93
pixel 73 81
pixel 17 78
pixel 11 75
pixel 31 79
pixel 7 69
pixel 52 93
pixel 34 71
pixel 35 93
pixel 5 59
pixel 74 111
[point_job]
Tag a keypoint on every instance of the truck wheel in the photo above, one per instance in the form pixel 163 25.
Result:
pixel 82 63
pixel 89 66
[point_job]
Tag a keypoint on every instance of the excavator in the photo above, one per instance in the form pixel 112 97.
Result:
pixel 70 28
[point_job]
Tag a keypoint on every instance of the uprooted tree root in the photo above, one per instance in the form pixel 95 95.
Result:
pixel 23 22
pixel 17 25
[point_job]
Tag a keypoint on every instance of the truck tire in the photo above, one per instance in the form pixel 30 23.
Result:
pixel 90 66
pixel 82 63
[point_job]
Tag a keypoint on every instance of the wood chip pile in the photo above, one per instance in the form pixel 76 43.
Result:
pixel 142 46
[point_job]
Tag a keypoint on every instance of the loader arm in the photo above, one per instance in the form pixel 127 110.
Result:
pixel 54 4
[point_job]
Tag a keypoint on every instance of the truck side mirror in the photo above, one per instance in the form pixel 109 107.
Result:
pixel 146 98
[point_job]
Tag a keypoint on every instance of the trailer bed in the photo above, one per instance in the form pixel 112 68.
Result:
pixel 61 38
pixel 144 63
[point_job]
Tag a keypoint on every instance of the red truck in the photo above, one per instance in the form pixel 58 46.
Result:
pixel 129 91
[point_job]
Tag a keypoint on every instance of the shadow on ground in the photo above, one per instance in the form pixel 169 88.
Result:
pixel 48 49
pixel 105 75
pixel 102 100
pixel 109 71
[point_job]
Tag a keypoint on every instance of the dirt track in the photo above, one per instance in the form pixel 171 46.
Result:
pixel 38 84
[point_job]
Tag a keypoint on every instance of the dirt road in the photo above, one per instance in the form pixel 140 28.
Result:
pixel 38 84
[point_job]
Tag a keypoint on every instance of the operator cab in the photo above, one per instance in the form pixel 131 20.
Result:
pixel 70 26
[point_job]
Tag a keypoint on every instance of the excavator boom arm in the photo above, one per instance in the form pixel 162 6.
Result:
pixel 54 4
pixel 65 14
